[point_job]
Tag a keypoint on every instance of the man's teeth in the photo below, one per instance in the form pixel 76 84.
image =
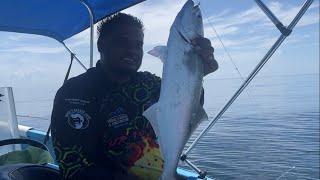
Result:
pixel 128 59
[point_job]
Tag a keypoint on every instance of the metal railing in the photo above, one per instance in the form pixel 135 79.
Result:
pixel 285 32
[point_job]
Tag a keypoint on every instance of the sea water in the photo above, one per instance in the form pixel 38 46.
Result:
pixel 270 132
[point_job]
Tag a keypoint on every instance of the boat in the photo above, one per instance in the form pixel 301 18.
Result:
pixel 61 20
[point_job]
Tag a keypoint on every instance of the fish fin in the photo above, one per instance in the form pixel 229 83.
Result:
pixel 151 115
pixel 199 117
pixel 160 52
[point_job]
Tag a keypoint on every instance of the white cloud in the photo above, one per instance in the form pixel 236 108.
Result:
pixel 314 5
pixel 34 49
pixel 82 39
pixel 210 29
pixel 27 73
pixel 157 23
pixel 251 28
pixel 248 16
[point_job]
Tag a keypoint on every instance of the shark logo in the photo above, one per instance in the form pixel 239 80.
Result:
pixel 78 119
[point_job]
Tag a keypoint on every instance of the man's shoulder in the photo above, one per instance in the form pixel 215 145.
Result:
pixel 79 83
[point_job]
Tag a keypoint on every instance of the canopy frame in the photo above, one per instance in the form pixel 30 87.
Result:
pixel 91 31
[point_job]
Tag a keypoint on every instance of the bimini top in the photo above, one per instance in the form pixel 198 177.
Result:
pixel 58 19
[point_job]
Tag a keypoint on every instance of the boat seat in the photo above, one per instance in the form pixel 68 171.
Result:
pixel 35 153
pixel 24 164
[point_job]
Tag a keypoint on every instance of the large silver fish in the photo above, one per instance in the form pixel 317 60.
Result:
pixel 178 111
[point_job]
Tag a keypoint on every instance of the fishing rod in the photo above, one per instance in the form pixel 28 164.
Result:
pixel 285 32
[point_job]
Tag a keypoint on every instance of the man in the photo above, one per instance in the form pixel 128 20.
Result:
pixel 97 125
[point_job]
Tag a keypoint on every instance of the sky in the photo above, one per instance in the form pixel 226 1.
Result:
pixel 35 66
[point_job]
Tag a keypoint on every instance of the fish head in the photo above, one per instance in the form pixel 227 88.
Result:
pixel 188 22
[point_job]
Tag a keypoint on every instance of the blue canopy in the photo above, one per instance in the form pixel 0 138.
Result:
pixel 59 19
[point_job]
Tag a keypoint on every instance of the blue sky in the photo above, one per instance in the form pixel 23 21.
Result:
pixel 35 66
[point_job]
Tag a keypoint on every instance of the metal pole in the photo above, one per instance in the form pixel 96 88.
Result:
pixel 273 18
pixel 253 74
pixel 84 67
pixel 202 174
pixel 266 10
pixel 304 8
pixel 91 32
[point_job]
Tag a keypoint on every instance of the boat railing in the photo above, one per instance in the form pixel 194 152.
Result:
pixel 285 32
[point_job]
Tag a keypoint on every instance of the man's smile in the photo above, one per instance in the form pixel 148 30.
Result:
pixel 129 60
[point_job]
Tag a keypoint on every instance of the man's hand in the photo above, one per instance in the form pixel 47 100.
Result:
pixel 204 49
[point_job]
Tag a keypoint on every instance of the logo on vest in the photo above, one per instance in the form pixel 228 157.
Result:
pixel 118 118
pixel 78 119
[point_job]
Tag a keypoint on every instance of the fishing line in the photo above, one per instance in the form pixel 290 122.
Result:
pixel 228 54
pixel 225 49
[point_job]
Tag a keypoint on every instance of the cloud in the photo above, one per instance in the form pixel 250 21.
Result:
pixel 255 17
pixel 251 28
pixel 27 73
pixel 232 27
pixel 230 19
pixel 157 23
pixel 209 30
pixel 13 43
pixel 82 39
pixel 34 49
pixel 286 14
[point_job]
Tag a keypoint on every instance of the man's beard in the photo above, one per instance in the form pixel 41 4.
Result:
pixel 123 72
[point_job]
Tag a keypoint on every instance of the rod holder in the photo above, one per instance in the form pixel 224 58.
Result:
pixel 202 174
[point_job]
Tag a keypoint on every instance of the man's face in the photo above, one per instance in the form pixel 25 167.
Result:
pixel 123 50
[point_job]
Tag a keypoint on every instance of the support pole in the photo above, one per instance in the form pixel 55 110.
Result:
pixel 91 32
pixel 202 174
pixel 68 49
pixel 273 18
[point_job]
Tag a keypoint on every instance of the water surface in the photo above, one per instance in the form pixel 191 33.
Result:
pixel 271 129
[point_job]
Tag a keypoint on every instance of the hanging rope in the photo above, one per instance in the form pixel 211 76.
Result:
pixel 46 138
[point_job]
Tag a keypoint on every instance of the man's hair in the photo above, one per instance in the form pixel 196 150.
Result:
pixel 113 22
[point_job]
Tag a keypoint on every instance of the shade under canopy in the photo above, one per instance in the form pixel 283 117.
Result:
pixel 59 19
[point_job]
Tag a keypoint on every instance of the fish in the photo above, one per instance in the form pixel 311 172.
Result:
pixel 178 111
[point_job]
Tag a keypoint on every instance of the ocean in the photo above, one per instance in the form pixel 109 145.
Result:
pixel 270 132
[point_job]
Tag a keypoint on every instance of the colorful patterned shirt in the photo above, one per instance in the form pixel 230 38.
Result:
pixel 98 127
